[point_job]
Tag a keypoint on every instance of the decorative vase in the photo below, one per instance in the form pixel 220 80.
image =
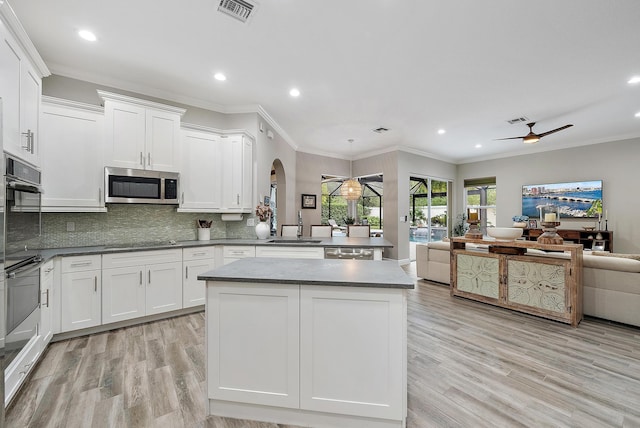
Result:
pixel 262 230
pixel 204 234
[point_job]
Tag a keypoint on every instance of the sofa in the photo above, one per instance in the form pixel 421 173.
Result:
pixel 611 282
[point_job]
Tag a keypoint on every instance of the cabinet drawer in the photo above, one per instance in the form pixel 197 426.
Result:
pixel 291 252
pixel 198 253
pixel 239 251
pixel 137 258
pixel 569 234
pixel 80 263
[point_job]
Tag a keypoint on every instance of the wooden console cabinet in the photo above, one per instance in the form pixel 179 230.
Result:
pixel 502 274
pixel 576 236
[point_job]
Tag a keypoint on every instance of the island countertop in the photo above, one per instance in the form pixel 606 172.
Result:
pixel 345 273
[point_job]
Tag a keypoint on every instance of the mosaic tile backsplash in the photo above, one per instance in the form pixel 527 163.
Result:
pixel 134 223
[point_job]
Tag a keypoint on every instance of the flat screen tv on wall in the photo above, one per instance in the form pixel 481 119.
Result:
pixel 580 199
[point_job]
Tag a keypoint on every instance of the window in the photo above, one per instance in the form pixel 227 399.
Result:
pixel 368 207
pixel 428 207
pixel 481 193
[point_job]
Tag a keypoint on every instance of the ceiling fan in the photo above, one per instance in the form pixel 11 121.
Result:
pixel 532 137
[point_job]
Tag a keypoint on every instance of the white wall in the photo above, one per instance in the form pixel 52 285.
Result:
pixel 616 163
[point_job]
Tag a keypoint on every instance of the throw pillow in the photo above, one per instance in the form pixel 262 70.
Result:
pixel 623 256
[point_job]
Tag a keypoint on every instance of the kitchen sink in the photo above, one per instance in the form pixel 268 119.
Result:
pixel 294 241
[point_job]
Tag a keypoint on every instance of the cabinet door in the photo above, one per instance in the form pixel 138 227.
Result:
pixel 193 290
pixel 30 93
pixel 539 284
pixel 232 170
pixel 123 296
pixel 246 200
pixel 10 66
pixel 46 298
pixel 72 168
pixel 80 300
pixel 353 351
pixel 162 140
pixel 253 337
pixel 478 274
pixel 200 173
pixel 125 127
pixel 164 287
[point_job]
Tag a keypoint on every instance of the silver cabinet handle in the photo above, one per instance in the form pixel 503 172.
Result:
pixel 28 140
pixel 149 283
pixel 141 159
pixel 199 254
pixel 182 202
pixel 238 199
pixel 140 277
pixel 46 292
pixel 95 284
pixel 186 272
pixel 80 264
pixel 32 142
pixel 149 158
pixel 99 195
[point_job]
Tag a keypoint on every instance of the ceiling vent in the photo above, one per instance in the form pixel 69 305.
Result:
pixel 381 130
pixel 242 10
pixel 518 120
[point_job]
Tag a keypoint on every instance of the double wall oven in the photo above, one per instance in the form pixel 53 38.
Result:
pixel 22 259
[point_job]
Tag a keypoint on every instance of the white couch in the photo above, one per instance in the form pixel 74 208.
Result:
pixel 611 283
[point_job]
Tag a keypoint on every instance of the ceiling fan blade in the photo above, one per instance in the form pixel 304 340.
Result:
pixel 554 130
pixel 510 138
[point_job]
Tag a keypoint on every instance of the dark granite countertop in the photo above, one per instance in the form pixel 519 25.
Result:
pixel 274 241
pixel 344 273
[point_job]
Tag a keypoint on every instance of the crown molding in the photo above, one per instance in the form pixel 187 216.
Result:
pixel 46 99
pixel 18 32
pixel 201 128
pixel 140 102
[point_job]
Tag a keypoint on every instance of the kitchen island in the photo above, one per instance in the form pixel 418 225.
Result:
pixel 309 342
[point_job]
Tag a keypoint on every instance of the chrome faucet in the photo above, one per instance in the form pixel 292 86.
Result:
pixel 299 231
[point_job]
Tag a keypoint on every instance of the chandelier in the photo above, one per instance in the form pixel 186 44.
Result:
pixel 351 189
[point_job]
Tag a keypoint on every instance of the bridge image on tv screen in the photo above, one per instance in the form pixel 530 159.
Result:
pixel 580 199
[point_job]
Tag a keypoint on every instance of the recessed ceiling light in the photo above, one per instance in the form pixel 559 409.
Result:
pixel 478 146
pixel 219 76
pixel 638 114
pixel 87 35
pixel 294 92
pixel 441 131
pixel 634 80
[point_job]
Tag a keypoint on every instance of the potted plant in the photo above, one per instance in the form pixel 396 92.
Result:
pixel 520 221
pixel 263 212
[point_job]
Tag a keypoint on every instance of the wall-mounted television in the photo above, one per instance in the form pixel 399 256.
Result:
pixel 580 199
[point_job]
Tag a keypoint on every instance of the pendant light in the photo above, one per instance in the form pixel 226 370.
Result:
pixel 351 189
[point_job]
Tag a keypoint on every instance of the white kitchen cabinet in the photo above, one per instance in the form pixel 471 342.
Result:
pixel 72 159
pixel 231 253
pixel 237 173
pixel 137 284
pixel 340 329
pixel 80 292
pixel 21 72
pixel 195 261
pixel 46 300
pixel 200 174
pixel 141 134
pixel 253 340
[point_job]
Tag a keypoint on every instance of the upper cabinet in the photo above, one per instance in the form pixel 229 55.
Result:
pixel 71 151
pixel 141 134
pixel 237 173
pixel 217 171
pixel 21 72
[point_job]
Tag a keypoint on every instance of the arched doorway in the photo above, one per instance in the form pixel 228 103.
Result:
pixel 278 193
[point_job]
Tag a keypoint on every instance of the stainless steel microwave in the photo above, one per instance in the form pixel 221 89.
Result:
pixel 137 186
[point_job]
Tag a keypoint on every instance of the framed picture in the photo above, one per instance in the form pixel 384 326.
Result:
pixel 308 201
pixel 597 245
pixel 267 200
pixel 533 224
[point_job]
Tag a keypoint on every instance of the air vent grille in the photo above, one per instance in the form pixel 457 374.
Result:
pixel 242 10
pixel 518 120
pixel 381 130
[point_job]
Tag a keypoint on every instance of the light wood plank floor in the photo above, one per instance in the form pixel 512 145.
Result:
pixel 470 365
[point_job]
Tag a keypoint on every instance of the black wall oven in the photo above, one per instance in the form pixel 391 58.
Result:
pixel 22 255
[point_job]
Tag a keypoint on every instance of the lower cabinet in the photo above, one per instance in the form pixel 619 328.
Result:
pixel 80 292
pixel 136 284
pixel 195 261
pixel 46 299
pixel 320 349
